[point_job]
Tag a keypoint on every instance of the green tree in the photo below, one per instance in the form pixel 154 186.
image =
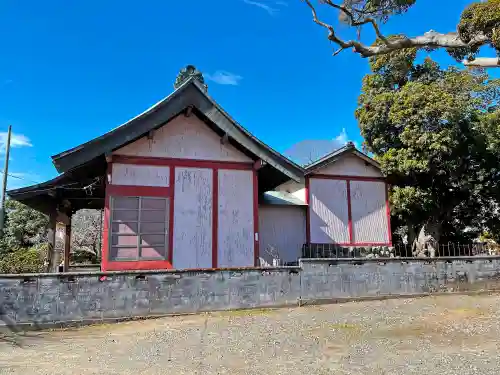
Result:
pixel 433 131
pixel 479 26
pixel 24 227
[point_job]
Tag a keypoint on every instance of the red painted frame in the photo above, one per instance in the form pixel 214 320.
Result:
pixel 350 229
pixel 117 190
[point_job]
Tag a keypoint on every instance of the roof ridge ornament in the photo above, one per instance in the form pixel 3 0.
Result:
pixel 188 72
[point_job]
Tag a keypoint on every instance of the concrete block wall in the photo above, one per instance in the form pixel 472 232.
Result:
pixel 51 298
pixel 57 299
pixel 323 279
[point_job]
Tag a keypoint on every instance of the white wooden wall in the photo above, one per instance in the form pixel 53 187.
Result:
pixel 184 138
pixel 329 218
pixel 235 219
pixel 369 212
pixel 193 218
pixel 284 229
pixel 297 189
pixel 350 165
pixel 140 175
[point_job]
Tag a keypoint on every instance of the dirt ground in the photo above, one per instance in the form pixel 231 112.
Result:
pixel 431 335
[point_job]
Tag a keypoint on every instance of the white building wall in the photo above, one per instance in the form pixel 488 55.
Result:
pixel 235 219
pixel 297 189
pixel 193 218
pixel 350 165
pixel 282 232
pixel 369 212
pixel 329 218
pixel 184 138
pixel 140 175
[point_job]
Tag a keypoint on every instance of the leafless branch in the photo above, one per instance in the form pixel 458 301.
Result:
pixel 430 39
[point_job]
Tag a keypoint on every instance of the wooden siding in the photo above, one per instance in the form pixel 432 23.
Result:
pixel 235 219
pixel 184 138
pixel 282 233
pixel 329 218
pixel 369 212
pixel 192 246
pixel 140 175
pixel 298 190
pixel 350 165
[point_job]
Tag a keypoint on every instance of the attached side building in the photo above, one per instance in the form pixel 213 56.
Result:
pixel 184 186
pixel 342 201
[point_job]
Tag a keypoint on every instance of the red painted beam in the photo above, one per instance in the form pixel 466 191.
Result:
pixel 188 163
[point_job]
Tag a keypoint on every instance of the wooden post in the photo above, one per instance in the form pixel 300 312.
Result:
pixel 4 186
pixel 51 239
pixel 67 245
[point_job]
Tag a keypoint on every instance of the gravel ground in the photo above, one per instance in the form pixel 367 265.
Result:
pixel 432 335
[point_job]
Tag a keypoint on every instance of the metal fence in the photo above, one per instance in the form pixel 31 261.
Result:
pixel 401 250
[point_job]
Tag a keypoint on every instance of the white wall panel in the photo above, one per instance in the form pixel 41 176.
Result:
pixel 298 190
pixel 350 165
pixel 193 218
pixel 140 175
pixel 328 209
pixel 369 212
pixel 184 138
pixel 282 232
pixel 235 219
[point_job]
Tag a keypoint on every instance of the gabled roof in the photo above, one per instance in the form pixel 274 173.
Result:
pixel 332 157
pixel 189 94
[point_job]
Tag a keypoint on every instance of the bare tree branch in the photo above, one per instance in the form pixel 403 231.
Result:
pixel 430 39
pixel 483 62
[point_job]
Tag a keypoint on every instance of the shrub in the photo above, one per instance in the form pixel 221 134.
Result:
pixel 23 260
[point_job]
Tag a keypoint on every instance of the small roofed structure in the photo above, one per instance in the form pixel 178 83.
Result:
pixel 188 136
pixel 184 186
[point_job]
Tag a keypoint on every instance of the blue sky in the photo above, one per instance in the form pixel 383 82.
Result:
pixel 72 70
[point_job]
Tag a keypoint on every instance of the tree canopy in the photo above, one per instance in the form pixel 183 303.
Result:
pixel 436 134
pixel 478 26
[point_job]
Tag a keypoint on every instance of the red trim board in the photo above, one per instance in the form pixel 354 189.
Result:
pixel 169 191
pixel 349 212
pixel 149 191
pixel 388 213
pixel 348 179
pixel 215 217
pixel 194 163
pixel 171 216
pixel 308 214
pixel 256 218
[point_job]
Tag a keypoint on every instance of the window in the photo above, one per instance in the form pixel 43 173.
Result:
pixel 139 228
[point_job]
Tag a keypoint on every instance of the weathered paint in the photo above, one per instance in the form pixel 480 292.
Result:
pixel 107 264
pixel 48 300
pixel 235 219
pixel 184 138
pixel 282 233
pixel 140 175
pixel 328 213
pixel 192 242
pixel 369 213
pixel 297 189
pixel 350 165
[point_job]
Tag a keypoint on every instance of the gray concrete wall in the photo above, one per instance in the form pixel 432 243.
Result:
pixel 50 299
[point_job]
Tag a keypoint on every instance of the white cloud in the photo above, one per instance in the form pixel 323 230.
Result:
pixel 270 9
pixel 342 137
pixel 16 141
pixel 224 78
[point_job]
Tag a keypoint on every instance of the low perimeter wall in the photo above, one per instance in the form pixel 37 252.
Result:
pixel 44 300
